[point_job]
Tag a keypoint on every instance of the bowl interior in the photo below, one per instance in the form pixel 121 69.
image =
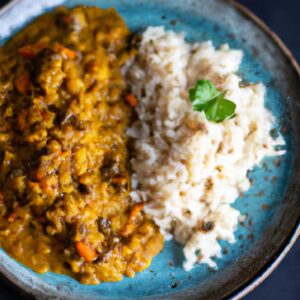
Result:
pixel 266 206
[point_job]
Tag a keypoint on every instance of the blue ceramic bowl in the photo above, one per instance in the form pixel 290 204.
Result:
pixel 272 205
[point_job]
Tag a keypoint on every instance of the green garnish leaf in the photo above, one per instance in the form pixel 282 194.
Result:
pixel 220 109
pixel 205 97
pixel 203 92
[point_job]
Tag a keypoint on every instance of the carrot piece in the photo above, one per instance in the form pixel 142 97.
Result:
pixel 86 251
pixel 31 51
pixel 136 209
pixel 131 99
pixel 118 180
pixel 69 53
pixel 130 226
pixel 23 84
pixel 65 51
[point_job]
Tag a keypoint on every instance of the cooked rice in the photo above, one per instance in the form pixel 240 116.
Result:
pixel 187 169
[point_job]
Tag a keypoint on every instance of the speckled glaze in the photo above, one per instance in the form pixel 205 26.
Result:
pixel 271 206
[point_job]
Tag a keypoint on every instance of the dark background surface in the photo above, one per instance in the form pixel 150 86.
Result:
pixel 283 16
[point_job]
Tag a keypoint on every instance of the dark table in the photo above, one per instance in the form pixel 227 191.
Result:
pixel 283 16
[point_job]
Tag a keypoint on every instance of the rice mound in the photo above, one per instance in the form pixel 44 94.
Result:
pixel 189 170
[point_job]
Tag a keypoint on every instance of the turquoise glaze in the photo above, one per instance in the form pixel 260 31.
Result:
pixel 270 180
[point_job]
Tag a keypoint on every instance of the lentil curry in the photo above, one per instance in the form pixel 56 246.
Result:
pixel 65 201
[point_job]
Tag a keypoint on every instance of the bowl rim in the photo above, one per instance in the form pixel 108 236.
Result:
pixel 274 262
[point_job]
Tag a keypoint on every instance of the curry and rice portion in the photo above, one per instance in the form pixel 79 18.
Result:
pixel 110 146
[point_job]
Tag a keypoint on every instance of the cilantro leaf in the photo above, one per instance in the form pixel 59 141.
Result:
pixel 203 92
pixel 205 97
pixel 220 109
